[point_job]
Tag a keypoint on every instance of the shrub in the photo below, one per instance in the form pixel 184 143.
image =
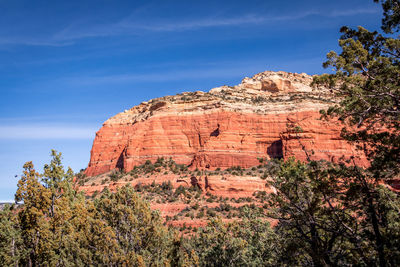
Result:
pixel 95 193
pixel 166 186
pixel 210 200
pixel 211 212
pixel 180 190
pixel 115 176
pixel 200 214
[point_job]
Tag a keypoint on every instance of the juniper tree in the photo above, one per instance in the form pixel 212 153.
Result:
pixel 10 237
pixel 248 242
pixel 139 232
pixel 366 79
pixel 35 228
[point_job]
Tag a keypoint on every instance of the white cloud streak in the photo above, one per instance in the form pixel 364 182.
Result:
pixel 45 41
pixel 353 12
pixel 131 27
pixel 128 26
pixel 46 132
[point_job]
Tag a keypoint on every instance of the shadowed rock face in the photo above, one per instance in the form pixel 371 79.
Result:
pixel 228 126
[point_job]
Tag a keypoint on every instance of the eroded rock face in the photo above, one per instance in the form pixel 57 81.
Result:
pixel 272 115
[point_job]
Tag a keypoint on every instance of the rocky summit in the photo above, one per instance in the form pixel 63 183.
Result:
pixel 270 115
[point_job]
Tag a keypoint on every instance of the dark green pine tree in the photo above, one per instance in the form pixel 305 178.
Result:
pixel 10 237
pixel 366 79
pixel 140 235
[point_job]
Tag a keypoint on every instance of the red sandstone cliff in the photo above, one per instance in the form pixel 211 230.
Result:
pixel 225 127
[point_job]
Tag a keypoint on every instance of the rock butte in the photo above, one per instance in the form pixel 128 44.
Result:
pixel 228 126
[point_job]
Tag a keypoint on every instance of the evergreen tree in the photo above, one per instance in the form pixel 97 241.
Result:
pixel 58 226
pixel 10 237
pixel 250 242
pixel 139 232
pixel 35 228
pixel 312 224
pixel 366 80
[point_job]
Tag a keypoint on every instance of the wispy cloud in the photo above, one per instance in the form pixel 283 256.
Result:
pixel 46 132
pixel 128 26
pixel 353 12
pixel 194 24
pixel 131 26
pixel 34 41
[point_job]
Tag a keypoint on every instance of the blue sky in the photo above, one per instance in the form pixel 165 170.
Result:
pixel 67 66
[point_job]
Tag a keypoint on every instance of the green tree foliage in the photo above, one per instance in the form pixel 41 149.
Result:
pixel 391 15
pixel 334 215
pixel 54 219
pixel 139 232
pixel 309 235
pixel 10 237
pixel 35 228
pixel 250 242
pixel 58 226
pixel 366 79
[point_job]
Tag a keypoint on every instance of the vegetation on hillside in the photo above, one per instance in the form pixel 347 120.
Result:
pixel 324 214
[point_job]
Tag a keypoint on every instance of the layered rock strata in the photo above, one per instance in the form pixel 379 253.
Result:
pixel 271 115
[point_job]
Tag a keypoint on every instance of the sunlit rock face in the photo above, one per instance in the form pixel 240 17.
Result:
pixel 271 115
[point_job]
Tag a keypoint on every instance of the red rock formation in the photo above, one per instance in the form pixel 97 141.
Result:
pixel 225 127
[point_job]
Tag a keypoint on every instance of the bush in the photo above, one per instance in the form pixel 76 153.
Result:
pixel 200 214
pixel 258 99
pixel 115 176
pixel 210 199
pixel 180 190
pixel 211 212
pixel 166 186
pixel 95 193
